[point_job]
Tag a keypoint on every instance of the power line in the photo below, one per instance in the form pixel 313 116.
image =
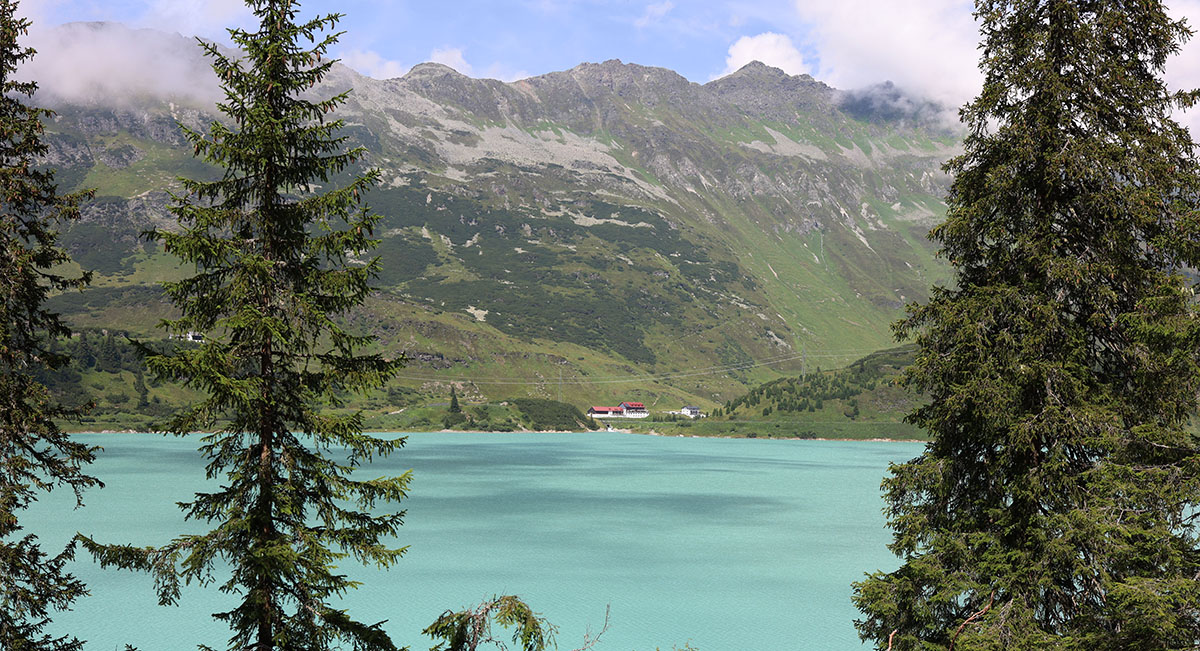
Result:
pixel 626 377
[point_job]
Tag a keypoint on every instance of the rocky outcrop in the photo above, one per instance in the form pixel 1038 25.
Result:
pixel 134 214
pixel 65 151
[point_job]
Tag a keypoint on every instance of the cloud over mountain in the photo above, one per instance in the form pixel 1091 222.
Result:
pixel 925 45
pixel 109 63
pixel 372 64
pixel 775 50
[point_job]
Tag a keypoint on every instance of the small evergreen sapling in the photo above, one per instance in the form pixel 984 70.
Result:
pixel 466 630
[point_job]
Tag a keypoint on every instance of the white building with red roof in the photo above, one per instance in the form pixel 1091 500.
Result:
pixel 624 410
pixel 634 410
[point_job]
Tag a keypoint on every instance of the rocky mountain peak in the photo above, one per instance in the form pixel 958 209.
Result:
pixel 431 70
pixel 618 76
pixel 759 88
pixel 760 70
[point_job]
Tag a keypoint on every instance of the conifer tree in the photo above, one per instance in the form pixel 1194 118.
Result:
pixel 273 274
pixel 1054 506
pixel 35 455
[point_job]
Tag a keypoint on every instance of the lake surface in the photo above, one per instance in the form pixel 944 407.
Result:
pixel 726 544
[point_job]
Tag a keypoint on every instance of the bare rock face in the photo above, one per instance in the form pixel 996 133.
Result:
pixel 762 90
pixel 66 151
pixel 122 156
pixel 149 125
pixel 135 214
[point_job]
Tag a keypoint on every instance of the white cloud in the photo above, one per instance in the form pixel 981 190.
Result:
pixel 453 57
pixel 654 13
pixel 209 18
pixel 371 64
pixel 930 47
pixel 503 73
pixel 770 48
pixel 1183 71
pixel 927 46
pixel 113 64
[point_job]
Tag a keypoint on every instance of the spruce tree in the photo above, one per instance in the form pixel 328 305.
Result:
pixel 1053 507
pixel 273 274
pixel 35 455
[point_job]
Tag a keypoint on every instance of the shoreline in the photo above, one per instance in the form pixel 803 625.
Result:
pixel 874 439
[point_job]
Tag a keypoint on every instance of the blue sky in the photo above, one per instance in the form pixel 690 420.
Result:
pixel 928 46
pixel 497 38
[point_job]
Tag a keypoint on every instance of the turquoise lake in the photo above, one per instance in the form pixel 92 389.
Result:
pixel 727 545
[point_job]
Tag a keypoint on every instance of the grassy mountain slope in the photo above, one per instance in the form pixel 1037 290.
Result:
pixel 604 233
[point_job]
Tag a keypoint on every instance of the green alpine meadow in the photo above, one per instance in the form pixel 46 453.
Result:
pixel 371 326
pixel 673 243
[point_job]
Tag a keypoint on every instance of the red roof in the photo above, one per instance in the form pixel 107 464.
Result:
pixel 633 405
pixel 603 410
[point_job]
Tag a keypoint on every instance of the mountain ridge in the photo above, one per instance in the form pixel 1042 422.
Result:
pixel 610 220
